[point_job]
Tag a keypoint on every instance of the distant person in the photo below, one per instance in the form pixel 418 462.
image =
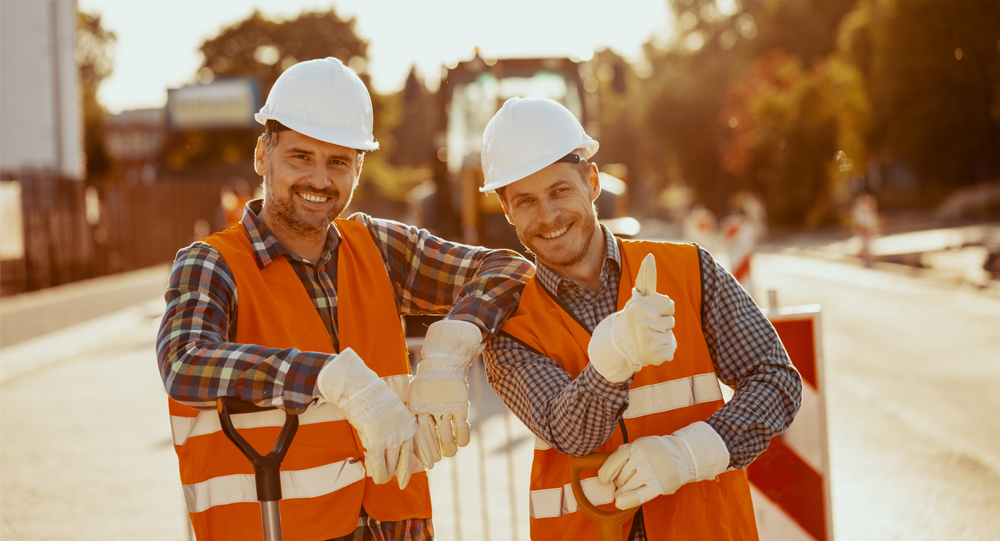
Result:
pixel 296 310
pixel 233 198
pixel 620 345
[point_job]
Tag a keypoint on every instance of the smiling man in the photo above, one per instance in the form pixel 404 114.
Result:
pixel 619 346
pixel 298 310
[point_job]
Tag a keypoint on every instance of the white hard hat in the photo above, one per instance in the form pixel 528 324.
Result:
pixel 528 135
pixel 325 100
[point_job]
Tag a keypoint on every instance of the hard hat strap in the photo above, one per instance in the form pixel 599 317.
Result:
pixel 570 158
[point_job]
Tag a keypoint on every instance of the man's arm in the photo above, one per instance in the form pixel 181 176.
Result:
pixel 748 355
pixel 434 276
pixel 199 363
pixel 575 416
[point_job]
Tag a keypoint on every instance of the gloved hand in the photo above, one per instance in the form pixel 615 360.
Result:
pixel 439 393
pixel 387 429
pixel 658 465
pixel 639 334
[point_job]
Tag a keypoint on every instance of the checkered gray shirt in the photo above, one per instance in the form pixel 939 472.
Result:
pixel 577 416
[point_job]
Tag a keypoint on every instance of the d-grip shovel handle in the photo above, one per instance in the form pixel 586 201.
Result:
pixel 266 468
pixel 609 523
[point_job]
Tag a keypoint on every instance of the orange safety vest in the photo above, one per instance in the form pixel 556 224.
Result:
pixel 323 480
pixel 662 399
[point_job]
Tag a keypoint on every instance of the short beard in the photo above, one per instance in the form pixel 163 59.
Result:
pixel 589 229
pixel 283 210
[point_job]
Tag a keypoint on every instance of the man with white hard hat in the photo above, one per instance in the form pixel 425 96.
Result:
pixel 298 310
pixel 619 346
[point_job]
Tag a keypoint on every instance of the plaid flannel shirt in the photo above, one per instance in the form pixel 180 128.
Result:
pixel 199 360
pixel 576 416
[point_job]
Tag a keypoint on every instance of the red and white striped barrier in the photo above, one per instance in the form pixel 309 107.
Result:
pixel 790 481
pixel 740 238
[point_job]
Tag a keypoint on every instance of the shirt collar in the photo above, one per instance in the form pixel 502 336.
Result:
pixel 267 248
pixel 612 261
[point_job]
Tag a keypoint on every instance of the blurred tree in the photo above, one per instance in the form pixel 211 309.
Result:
pixel 95 59
pixel 715 44
pixel 414 135
pixel 933 67
pixel 264 48
pixel 617 86
pixel 786 124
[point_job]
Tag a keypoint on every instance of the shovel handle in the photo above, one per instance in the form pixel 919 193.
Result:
pixel 609 523
pixel 266 467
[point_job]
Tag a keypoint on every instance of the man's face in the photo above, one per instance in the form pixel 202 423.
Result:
pixel 307 182
pixel 553 212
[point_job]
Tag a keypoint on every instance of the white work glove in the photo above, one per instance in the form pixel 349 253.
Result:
pixel 639 334
pixel 439 393
pixel 658 465
pixel 387 429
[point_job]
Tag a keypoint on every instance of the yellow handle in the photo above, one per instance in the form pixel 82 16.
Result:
pixel 609 523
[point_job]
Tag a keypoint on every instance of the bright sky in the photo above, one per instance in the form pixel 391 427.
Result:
pixel 158 41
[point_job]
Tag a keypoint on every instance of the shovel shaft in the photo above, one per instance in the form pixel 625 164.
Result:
pixel 271 519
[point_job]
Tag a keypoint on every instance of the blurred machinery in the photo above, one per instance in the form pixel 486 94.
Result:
pixel 470 93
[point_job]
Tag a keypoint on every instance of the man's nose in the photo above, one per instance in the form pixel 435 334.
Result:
pixel 320 176
pixel 547 210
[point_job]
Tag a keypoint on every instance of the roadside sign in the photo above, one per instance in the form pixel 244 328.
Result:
pixel 225 103
pixel 790 481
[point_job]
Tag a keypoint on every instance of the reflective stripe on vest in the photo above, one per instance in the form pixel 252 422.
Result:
pixel 556 502
pixel 666 396
pixel 294 484
pixel 671 395
pixel 207 421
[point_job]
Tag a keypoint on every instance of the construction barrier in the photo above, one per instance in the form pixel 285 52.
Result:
pixel 790 481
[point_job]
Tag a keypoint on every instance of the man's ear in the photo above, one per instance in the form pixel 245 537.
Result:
pixel 258 158
pixel 594 180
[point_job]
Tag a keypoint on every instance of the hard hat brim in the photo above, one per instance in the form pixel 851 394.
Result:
pixel 536 165
pixel 322 133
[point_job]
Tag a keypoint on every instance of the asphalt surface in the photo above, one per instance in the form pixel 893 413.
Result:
pixel 912 365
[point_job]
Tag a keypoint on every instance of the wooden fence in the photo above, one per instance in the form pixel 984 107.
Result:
pixel 130 227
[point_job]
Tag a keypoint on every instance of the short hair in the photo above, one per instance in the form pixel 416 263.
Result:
pixel 573 157
pixel 270 137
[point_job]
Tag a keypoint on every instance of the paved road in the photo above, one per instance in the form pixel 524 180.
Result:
pixel 912 371
pixel 912 368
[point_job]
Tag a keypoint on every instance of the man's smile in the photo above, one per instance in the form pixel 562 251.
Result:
pixel 312 198
pixel 556 233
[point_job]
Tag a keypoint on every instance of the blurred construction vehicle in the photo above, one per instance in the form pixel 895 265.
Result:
pixel 469 95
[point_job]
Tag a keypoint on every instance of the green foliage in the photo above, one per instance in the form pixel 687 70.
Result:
pixel 915 83
pixel 95 60
pixel 786 123
pixel 265 47
pixel 262 47
pixel 687 135
pixel 934 74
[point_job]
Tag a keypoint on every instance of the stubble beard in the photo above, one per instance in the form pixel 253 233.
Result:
pixel 282 209
pixel 589 228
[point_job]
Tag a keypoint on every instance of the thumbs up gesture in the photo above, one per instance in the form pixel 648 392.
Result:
pixel 638 335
